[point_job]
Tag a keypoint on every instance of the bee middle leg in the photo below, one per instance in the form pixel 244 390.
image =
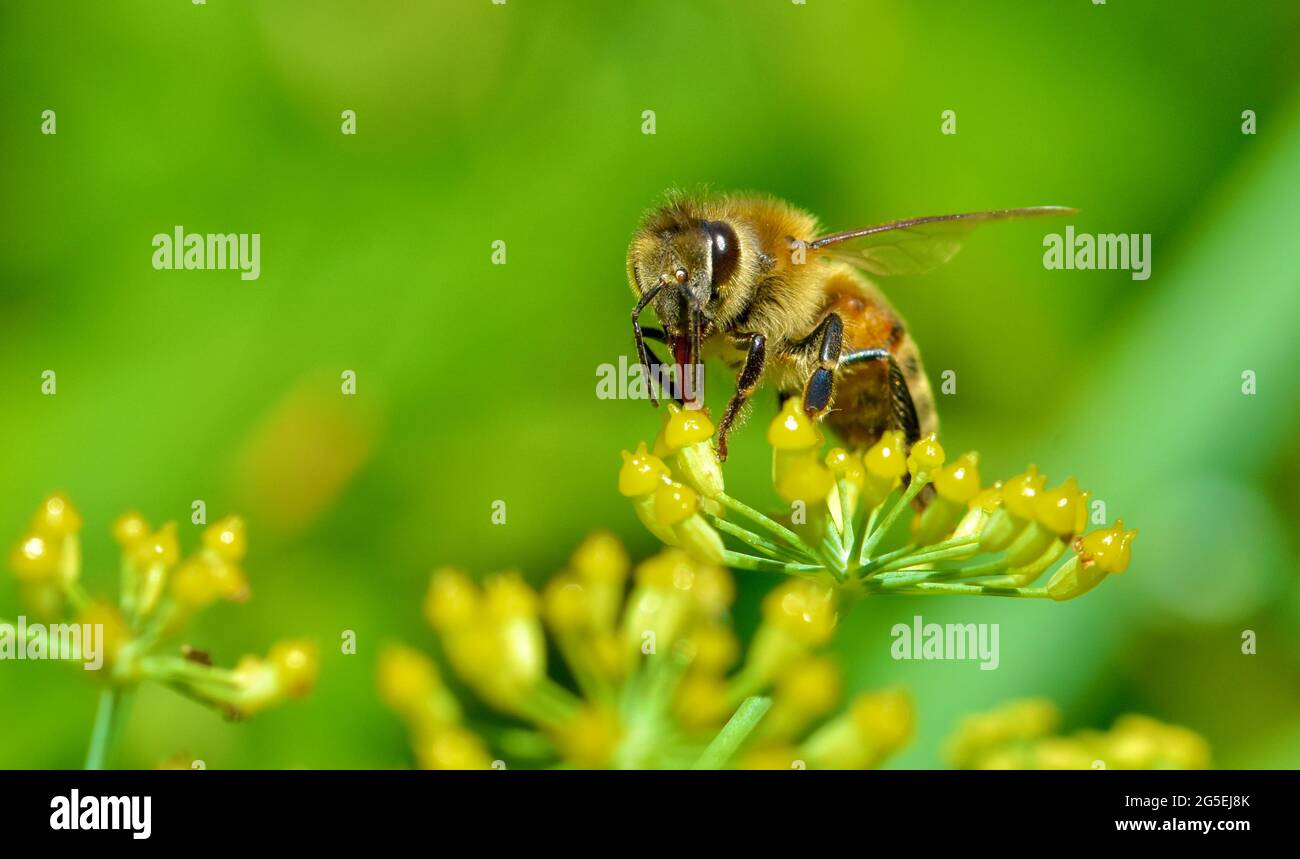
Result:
pixel 755 346
pixel 827 339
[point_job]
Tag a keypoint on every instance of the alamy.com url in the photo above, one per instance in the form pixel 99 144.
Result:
pixel 1180 825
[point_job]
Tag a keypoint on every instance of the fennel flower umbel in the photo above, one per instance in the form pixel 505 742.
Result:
pixel 970 539
pixel 160 592
pixel 653 676
pixel 1022 735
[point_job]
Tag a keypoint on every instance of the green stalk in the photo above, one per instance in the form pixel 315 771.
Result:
pixel 774 527
pixel 873 539
pixel 742 561
pixel 101 736
pixel 733 734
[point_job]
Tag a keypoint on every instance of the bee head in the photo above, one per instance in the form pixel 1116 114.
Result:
pixel 692 263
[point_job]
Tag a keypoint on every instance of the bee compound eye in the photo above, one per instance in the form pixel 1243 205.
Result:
pixel 724 251
pixel 681 275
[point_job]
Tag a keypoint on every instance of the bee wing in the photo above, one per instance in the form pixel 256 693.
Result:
pixel 916 245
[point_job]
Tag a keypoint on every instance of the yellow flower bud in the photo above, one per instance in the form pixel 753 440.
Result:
pixel 876 725
pixel 590 739
pixel 675 503
pixel 810 686
pixel 1062 753
pixel 566 604
pixel 988 499
pixel 886 718
pixel 1019 492
pixel 802 477
pixel 959 481
pixel 669 569
pixel 802 608
pixel 507 597
pixel 792 429
pixel 978 737
pixel 296 664
pixel 601 558
pixel 452 600
pixel 846 466
pixel 701 701
pixel 160 548
pixel 1109 549
pixel 887 457
pixel 1059 509
pixel 778 756
pixel 206 578
pixel 129 529
pixel 228 538
pixel 716 648
pixel 57 517
pixel 925 456
pixel 406 678
pixel 452 749
pixel 642 472
pixel 713 587
pixel 685 427
pixel 35 558
pixel 117 632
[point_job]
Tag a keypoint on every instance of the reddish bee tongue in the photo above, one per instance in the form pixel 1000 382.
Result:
pixel 682 350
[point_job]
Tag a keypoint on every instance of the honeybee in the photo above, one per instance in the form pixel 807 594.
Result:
pixel 754 281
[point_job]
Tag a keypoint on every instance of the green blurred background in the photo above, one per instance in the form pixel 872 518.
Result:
pixel 522 122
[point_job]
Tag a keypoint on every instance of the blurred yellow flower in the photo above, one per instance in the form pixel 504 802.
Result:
pixel 652 684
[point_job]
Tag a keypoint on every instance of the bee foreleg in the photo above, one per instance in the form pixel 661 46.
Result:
pixel 827 338
pixel 755 346
pixel 639 336
pixel 901 405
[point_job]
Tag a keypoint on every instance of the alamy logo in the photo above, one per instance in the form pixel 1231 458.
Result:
pixel 215 251
pixel 1085 251
pixel 958 641
pixel 75 811
pixel 71 641
pixel 628 380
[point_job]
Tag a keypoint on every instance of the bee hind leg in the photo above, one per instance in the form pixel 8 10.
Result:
pixel 755 346
pixel 901 406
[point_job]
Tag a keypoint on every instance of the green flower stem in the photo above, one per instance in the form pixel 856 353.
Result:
pixel 130 582
pixel 558 700
pixel 869 527
pixel 848 537
pixel 989 567
pixel 741 561
pixel 101 736
pixel 875 536
pixel 956 589
pixel 733 734
pixel 833 552
pixel 774 527
pixel 173 669
pixel 878 563
pixel 646 708
pixel 939 552
pixel 743 534
pixel 590 683
pixel 76 594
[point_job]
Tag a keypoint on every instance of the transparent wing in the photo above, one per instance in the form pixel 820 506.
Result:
pixel 916 245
